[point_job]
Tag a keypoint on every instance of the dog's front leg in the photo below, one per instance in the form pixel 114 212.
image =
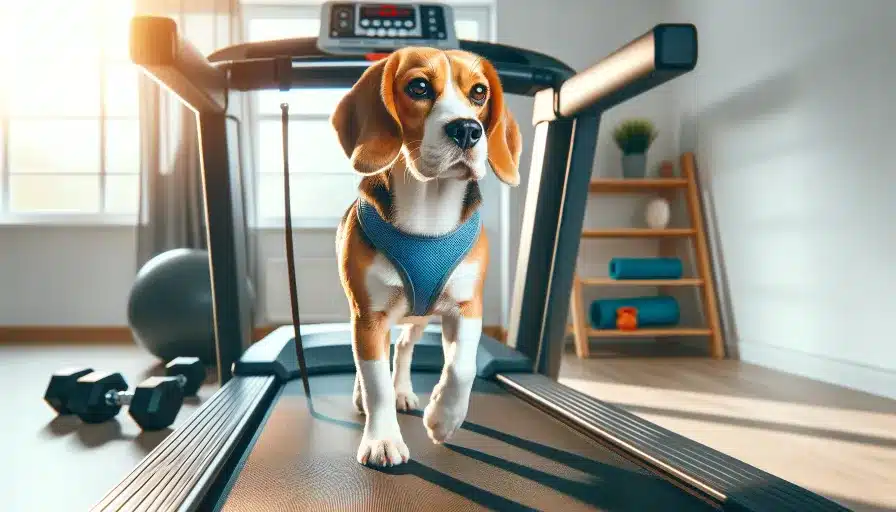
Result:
pixel 450 398
pixel 405 399
pixel 381 443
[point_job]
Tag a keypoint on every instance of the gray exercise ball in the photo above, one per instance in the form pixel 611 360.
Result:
pixel 170 306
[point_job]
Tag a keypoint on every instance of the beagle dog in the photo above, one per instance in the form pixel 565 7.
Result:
pixel 421 126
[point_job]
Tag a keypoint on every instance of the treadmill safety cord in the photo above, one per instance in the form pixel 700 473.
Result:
pixel 290 256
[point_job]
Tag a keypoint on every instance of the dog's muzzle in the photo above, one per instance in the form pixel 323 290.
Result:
pixel 464 132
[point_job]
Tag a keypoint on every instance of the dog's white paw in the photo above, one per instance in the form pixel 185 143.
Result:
pixel 443 416
pixel 405 399
pixel 383 452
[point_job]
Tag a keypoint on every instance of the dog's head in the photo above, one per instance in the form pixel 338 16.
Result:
pixel 443 112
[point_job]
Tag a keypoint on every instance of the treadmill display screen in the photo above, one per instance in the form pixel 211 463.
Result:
pixel 386 11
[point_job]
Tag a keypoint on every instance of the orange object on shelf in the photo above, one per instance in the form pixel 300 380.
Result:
pixel 627 318
pixel 667 169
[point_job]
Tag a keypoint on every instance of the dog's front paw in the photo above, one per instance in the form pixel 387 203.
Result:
pixel 405 399
pixel 443 417
pixel 383 452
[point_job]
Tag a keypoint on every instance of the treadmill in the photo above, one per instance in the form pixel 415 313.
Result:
pixel 528 443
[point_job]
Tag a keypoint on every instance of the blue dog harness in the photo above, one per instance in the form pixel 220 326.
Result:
pixel 423 262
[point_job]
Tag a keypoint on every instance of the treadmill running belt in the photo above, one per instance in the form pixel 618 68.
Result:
pixel 508 456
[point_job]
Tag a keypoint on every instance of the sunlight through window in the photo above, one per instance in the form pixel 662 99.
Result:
pixel 69 91
pixel 69 108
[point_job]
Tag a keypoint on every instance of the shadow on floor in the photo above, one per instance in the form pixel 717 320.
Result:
pixel 623 489
pixel 95 435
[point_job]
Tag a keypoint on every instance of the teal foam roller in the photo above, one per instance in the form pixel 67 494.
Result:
pixel 645 268
pixel 655 311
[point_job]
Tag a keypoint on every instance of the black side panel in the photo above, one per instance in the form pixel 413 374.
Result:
pixel 736 484
pixel 495 357
pixel 176 474
pixel 568 234
pixel 328 349
pixel 539 236
pixel 275 354
pixel 227 249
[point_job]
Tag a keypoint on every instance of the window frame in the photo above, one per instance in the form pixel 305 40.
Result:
pixel 481 11
pixel 8 217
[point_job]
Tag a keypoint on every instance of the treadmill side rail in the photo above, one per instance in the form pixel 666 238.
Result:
pixel 665 52
pixel 735 484
pixel 177 474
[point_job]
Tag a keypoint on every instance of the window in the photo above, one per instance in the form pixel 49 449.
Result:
pixel 322 184
pixel 69 125
pixel 68 113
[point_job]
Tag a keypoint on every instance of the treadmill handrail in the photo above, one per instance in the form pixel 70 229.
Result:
pixel 178 65
pixel 306 48
pixel 666 51
pixel 203 82
pixel 270 73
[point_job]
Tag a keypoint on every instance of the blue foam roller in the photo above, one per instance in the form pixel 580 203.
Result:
pixel 661 310
pixel 645 268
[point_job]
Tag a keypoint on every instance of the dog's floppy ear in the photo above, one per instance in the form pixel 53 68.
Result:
pixel 366 121
pixel 504 139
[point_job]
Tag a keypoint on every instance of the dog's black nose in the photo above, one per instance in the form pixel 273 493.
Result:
pixel 464 132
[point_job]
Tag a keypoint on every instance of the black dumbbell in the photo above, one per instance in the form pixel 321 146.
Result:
pixel 61 386
pixel 154 404
pixel 190 369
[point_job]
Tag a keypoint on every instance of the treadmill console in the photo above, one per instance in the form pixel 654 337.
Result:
pixel 357 28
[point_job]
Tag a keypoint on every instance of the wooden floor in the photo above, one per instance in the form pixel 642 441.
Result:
pixel 837 442
pixel 55 463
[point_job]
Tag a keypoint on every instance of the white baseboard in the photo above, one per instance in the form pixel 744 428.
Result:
pixel 877 381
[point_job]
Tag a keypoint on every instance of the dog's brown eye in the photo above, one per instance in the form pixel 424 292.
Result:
pixel 419 89
pixel 478 94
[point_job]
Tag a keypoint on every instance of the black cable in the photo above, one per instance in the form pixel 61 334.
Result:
pixel 290 256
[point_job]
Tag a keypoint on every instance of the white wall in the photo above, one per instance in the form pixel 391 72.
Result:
pixel 581 33
pixel 65 275
pixel 794 105
pixel 80 276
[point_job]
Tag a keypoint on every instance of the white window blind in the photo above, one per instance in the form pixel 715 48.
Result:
pixel 322 184
pixel 68 111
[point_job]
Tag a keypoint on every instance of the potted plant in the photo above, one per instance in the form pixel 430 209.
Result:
pixel 634 137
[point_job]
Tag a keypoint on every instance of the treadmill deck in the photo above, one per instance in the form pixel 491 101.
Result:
pixel 509 455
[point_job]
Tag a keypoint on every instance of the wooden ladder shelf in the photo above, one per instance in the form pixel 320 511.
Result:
pixel 696 234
